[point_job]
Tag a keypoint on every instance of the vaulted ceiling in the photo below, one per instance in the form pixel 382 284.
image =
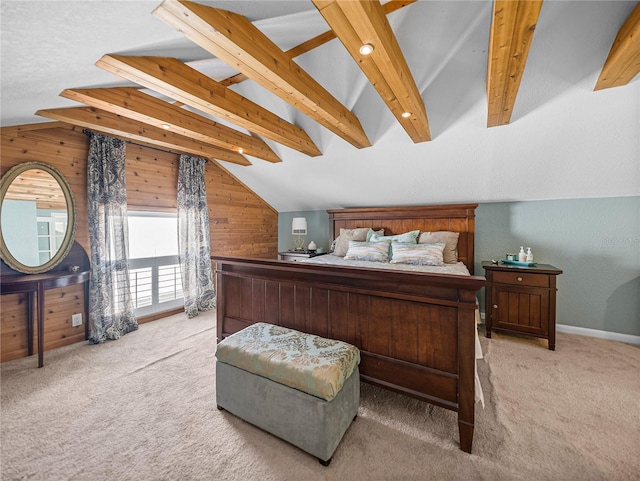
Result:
pixel 259 84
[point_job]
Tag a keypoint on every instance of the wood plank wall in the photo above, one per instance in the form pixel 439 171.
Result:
pixel 242 224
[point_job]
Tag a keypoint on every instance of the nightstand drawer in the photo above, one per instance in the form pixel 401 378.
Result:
pixel 523 279
pixel 294 258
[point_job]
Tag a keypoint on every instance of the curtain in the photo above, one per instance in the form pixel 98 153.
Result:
pixel 193 237
pixel 111 308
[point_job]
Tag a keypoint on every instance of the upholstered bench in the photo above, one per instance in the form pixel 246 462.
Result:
pixel 302 388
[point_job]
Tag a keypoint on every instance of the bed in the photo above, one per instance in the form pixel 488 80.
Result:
pixel 416 330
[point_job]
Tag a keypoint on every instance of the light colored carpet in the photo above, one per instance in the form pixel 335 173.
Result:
pixel 143 408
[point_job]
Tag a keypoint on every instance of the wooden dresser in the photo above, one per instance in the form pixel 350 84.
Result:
pixel 522 300
pixel 35 285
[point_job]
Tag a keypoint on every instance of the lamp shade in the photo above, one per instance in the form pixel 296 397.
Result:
pixel 299 226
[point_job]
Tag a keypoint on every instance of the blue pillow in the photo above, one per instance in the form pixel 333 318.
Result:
pixel 408 237
pixel 411 236
pixel 372 232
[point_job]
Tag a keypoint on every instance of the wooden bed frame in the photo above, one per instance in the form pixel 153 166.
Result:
pixel 415 331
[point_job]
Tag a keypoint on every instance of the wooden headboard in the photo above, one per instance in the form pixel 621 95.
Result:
pixel 396 220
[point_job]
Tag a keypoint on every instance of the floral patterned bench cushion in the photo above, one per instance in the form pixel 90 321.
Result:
pixel 309 363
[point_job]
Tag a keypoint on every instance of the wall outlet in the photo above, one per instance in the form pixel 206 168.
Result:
pixel 76 320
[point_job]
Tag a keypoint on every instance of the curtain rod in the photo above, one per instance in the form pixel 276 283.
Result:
pixel 89 133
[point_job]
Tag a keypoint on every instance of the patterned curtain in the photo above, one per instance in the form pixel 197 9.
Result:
pixel 193 237
pixel 111 309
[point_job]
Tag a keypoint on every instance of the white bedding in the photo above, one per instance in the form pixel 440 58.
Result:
pixel 456 269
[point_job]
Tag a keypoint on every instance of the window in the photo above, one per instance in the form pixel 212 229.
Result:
pixel 154 273
pixel 51 231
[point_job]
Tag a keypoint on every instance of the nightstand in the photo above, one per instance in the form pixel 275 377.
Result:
pixel 297 255
pixel 522 300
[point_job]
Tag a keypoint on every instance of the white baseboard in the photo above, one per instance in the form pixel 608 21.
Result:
pixel 611 336
pixel 583 331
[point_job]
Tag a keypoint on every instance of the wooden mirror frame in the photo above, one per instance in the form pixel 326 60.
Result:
pixel 67 242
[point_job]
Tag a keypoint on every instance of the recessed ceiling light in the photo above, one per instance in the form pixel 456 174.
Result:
pixel 366 49
pixel 165 126
pixel 240 150
pixel 406 114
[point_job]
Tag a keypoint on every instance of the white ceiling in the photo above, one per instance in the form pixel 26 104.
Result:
pixel 564 140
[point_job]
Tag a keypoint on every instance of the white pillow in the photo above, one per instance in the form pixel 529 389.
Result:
pixel 346 235
pixel 450 240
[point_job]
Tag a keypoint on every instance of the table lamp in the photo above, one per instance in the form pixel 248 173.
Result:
pixel 299 228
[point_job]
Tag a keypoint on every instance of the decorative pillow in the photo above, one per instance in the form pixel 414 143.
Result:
pixel 450 240
pixel 417 254
pixel 372 232
pixel 411 236
pixel 346 235
pixel 368 251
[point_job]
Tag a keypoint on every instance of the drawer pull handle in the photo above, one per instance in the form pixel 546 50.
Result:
pixel 495 306
pixel 519 279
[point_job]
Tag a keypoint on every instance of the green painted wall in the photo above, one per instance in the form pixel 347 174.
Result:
pixel 317 229
pixel 596 243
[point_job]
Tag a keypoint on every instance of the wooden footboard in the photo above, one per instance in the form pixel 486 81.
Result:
pixel 416 331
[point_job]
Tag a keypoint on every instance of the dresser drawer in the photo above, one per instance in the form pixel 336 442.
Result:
pixel 285 257
pixel 520 278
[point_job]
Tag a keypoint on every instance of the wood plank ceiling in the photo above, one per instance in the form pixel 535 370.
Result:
pixel 128 113
pixel 39 185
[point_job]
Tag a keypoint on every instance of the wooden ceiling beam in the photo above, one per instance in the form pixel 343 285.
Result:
pixel 177 80
pixel 514 22
pixel 623 61
pixel 236 41
pixel 310 44
pixel 234 79
pixel 325 37
pixel 130 102
pixel 318 40
pixel 364 22
pixel 125 128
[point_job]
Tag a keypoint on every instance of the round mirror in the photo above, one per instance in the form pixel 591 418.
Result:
pixel 37 217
